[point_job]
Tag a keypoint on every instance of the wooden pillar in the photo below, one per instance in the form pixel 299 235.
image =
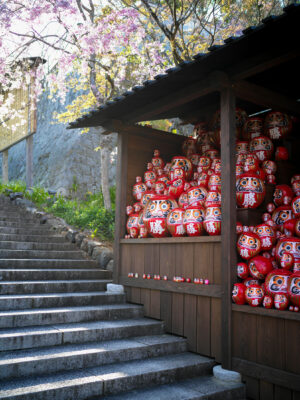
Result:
pixel 228 138
pixel 121 198
pixel 5 166
pixel 29 161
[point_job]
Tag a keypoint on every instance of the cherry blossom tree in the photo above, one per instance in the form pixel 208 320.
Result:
pixel 92 50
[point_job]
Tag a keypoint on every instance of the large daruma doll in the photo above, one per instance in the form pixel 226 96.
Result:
pixel 290 245
pixel 155 215
pixel 277 281
pixel 250 190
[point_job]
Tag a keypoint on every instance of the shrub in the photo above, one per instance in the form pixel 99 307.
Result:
pixel 84 214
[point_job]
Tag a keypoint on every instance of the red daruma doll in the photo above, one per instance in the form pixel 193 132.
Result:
pixel 212 221
pixel 139 188
pixel 250 190
pixel 175 222
pixel 248 245
pixel 238 293
pixel 193 220
pixel 294 288
pixel 277 281
pixel 254 295
pixel 267 236
pixel 260 266
pixel 155 215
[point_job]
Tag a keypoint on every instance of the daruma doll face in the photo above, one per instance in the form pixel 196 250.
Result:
pixel 294 288
pixel 277 281
pixel 249 245
pixel 262 147
pixel 254 295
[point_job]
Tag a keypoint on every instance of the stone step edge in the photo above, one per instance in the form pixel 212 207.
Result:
pixel 40 361
pixel 109 379
pixel 198 388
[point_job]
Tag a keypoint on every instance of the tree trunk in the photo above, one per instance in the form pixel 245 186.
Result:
pixel 105 163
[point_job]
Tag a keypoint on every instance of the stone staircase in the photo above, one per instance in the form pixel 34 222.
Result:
pixel 62 336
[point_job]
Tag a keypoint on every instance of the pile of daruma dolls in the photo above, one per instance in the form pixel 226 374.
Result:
pixel 269 272
pixel 183 198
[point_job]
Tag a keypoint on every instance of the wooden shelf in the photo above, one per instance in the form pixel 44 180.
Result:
pixel 196 239
pixel 273 313
pixel 175 287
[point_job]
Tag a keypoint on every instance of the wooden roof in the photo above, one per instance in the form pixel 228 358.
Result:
pixel 262 65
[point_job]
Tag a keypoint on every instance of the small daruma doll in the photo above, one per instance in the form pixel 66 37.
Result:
pixel 213 199
pixel 281 301
pixel 287 260
pixel 139 188
pixel 184 163
pixel 254 295
pixel 242 270
pixel 214 182
pixel 260 266
pixel 238 293
pixel 262 147
pixel 155 215
pixel 268 301
pixel 269 167
pixel 267 236
pixel 193 220
pixel 250 190
pixel 212 221
pixel 253 127
pixel 294 288
pixel 157 161
pixel 281 215
pixel 280 192
pixel 296 206
pixel 132 226
pixel 277 125
pixel 196 196
pixel 248 245
pixel 175 222
pixel 277 281
pixel 189 146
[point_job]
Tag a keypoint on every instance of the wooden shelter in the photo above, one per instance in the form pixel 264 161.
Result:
pixel 256 71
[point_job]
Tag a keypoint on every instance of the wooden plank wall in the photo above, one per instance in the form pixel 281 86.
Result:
pixel 195 316
pixel 266 351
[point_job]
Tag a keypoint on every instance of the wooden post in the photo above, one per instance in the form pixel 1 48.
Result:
pixel 228 138
pixel 121 198
pixel 29 161
pixel 5 166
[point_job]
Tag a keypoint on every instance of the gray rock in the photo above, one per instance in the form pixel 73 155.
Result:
pixel 104 258
pixel 79 238
pixel 90 246
pixel 84 245
pixel 97 250
pixel 112 288
pixel 70 236
pixel 110 266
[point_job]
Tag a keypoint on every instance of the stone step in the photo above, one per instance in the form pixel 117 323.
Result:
pixel 42 254
pixel 25 363
pixel 52 274
pixel 199 388
pixel 107 379
pixel 32 238
pixel 67 315
pixel 51 286
pixel 40 230
pixel 42 300
pixel 19 217
pixel 12 263
pixel 13 245
pixel 61 334
pixel 21 224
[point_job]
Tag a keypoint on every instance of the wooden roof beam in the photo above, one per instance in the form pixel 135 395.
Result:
pixel 213 82
pixel 259 95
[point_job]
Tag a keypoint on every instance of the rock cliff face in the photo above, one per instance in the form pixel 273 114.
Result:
pixel 61 157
